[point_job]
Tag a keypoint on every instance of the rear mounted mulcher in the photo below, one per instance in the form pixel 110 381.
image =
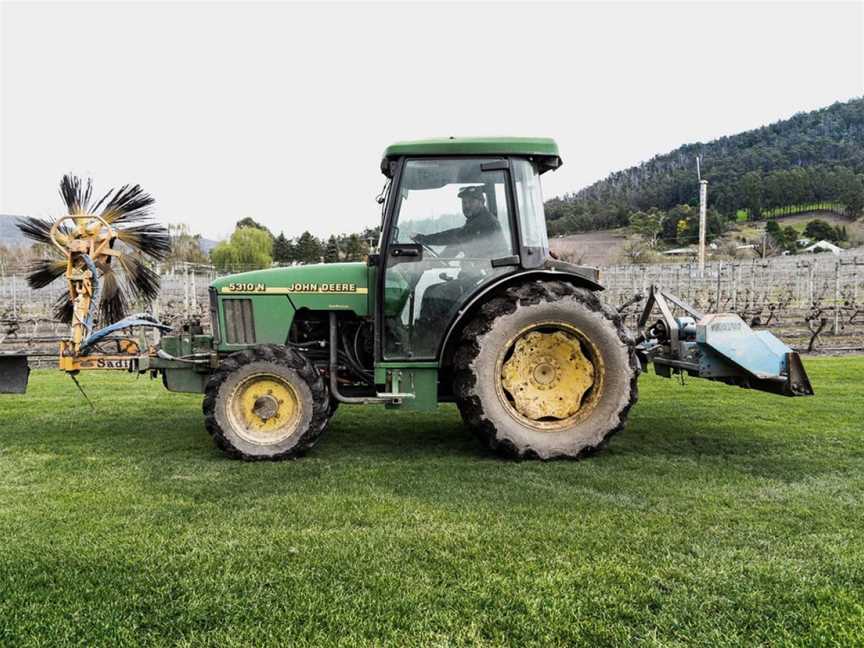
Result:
pixel 718 346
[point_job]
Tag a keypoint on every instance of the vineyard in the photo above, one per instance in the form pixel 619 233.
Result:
pixel 27 324
pixel 813 303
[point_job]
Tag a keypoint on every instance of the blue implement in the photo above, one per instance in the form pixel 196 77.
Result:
pixel 718 346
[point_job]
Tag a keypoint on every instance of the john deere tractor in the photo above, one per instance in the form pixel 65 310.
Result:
pixel 461 303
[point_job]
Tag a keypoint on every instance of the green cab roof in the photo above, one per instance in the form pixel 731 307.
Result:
pixel 532 146
pixel 542 149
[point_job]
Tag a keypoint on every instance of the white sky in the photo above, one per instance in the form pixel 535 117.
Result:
pixel 281 111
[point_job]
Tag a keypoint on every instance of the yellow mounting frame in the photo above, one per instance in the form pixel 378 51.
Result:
pixel 91 235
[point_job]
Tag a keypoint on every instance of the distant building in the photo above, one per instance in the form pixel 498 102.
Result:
pixel 747 250
pixel 685 251
pixel 824 246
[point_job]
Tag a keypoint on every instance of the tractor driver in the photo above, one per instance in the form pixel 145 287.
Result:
pixel 479 237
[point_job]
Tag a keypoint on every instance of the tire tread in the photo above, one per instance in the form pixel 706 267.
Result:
pixel 527 294
pixel 279 355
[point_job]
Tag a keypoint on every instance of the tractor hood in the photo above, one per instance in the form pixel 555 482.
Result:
pixel 323 286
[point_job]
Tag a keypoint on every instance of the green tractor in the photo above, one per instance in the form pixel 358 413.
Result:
pixel 461 303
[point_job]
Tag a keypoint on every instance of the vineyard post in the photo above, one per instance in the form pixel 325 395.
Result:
pixel 753 281
pixel 797 287
pixel 811 269
pixel 855 280
pixel 736 271
pixel 689 282
pixel 837 297
pixel 719 280
pixel 186 290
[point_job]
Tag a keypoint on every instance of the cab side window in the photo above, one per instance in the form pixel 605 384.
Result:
pixel 459 216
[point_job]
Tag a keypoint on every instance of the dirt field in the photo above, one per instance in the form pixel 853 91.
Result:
pixel 591 248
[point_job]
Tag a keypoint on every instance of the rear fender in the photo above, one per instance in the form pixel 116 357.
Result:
pixel 465 314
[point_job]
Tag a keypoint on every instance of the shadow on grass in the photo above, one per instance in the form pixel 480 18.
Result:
pixel 403 435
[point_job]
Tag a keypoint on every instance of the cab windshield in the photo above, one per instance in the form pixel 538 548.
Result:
pixel 454 207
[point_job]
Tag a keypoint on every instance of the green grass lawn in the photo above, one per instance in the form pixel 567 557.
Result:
pixel 720 516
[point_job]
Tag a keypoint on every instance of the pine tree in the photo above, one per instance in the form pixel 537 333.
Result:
pixel 308 249
pixel 283 251
pixel 331 255
pixel 355 249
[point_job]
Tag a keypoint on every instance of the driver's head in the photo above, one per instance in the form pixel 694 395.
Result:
pixel 473 201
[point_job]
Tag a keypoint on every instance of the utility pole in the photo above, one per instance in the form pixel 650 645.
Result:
pixel 703 206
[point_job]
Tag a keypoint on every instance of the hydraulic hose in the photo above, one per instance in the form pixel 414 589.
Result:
pixel 334 369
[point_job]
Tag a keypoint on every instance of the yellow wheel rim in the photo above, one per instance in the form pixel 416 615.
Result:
pixel 264 409
pixel 549 376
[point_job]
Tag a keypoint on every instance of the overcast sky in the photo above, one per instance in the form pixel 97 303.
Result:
pixel 281 111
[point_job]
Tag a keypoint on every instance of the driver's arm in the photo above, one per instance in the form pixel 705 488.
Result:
pixel 446 237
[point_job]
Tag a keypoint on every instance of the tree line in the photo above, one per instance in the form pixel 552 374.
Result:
pixel 252 245
pixel 812 158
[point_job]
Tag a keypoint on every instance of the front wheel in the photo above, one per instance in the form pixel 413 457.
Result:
pixel 268 402
pixel 545 370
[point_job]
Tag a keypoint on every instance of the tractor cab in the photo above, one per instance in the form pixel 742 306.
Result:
pixel 460 214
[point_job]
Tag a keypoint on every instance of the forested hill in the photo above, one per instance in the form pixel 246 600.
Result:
pixel 811 157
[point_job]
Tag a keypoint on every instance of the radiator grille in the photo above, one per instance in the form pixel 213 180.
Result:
pixel 239 323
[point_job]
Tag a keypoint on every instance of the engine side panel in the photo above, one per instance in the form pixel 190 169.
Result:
pixel 258 307
pixel 250 320
pixel 323 286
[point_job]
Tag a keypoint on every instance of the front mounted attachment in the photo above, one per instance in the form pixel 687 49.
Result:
pixel 100 248
pixel 717 346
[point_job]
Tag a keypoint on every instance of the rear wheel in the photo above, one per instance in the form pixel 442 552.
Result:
pixel 266 403
pixel 545 370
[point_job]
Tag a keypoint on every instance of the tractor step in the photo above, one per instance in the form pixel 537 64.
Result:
pixel 14 373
